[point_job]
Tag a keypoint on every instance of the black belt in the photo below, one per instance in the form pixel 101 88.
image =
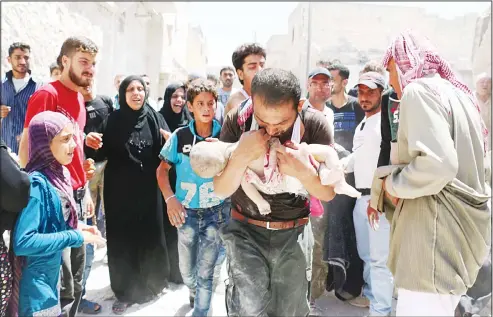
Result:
pixel 364 191
pixel 79 194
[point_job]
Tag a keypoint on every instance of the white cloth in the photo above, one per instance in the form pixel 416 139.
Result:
pixel 244 93
pixel 413 303
pixel 366 149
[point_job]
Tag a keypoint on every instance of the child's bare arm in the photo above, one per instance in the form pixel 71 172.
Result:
pixel 252 193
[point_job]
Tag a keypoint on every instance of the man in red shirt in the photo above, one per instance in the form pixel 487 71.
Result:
pixel 77 63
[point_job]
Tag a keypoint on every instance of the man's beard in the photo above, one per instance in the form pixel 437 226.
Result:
pixel 21 70
pixel 79 81
pixel 227 85
pixel 373 107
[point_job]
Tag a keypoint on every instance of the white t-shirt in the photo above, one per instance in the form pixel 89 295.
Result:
pixel 19 84
pixel 366 149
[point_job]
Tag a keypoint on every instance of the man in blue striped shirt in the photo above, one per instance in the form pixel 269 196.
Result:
pixel 16 88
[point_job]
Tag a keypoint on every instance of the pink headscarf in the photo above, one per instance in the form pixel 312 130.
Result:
pixel 416 58
pixel 42 129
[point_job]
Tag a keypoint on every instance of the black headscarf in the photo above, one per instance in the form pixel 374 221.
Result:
pixel 174 120
pixel 121 124
pixel 137 118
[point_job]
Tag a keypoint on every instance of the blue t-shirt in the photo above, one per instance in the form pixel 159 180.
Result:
pixel 191 190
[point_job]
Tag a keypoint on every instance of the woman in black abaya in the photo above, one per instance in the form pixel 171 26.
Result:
pixel 137 252
pixel 176 115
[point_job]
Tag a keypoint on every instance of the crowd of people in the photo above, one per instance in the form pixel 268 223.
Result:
pixel 80 170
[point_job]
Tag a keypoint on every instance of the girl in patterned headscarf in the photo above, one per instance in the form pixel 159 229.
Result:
pixel 48 224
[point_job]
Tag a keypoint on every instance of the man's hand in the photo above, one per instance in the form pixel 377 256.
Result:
pixel 393 200
pixel 4 111
pixel 165 134
pixel 89 168
pixel 89 212
pixel 176 212
pixel 373 217
pixel 94 140
pixel 293 162
pixel 252 145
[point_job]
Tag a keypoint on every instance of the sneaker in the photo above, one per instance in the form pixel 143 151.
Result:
pixel 359 301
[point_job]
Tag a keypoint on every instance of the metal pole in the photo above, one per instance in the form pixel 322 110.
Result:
pixel 308 38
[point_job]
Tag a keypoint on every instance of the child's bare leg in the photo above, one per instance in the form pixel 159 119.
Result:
pixel 252 193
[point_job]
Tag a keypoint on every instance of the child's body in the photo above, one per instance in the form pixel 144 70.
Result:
pixel 209 159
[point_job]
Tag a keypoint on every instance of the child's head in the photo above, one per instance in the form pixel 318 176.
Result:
pixel 55 72
pixel 51 139
pixel 202 100
pixel 208 159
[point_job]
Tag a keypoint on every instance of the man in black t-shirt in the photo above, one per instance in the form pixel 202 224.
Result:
pixel 269 258
pixel 347 112
pixel 98 109
pixel 340 238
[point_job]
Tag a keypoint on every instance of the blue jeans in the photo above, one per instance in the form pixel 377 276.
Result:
pixel 199 247
pixel 373 249
pixel 88 264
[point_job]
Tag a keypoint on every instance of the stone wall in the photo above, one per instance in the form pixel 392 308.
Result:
pixel 353 32
pixel 44 26
pixel 481 54
pixel 129 36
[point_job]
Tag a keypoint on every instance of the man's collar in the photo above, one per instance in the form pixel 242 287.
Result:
pixel 10 75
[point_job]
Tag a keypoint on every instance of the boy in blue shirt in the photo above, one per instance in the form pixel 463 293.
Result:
pixel 193 207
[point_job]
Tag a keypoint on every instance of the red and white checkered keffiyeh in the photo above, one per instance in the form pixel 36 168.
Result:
pixel 416 58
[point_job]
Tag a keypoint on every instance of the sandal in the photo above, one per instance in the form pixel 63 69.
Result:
pixel 89 308
pixel 119 307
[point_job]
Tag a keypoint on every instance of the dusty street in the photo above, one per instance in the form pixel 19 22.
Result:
pixel 175 300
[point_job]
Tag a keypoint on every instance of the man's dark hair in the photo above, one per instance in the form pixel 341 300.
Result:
pixel 213 78
pixel 243 51
pixel 343 70
pixel 199 85
pixel 276 86
pixel 53 67
pixel 144 75
pixel 192 77
pixel 76 44
pixel 19 45
pixel 324 63
pixel 225 68
pixel 373 66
